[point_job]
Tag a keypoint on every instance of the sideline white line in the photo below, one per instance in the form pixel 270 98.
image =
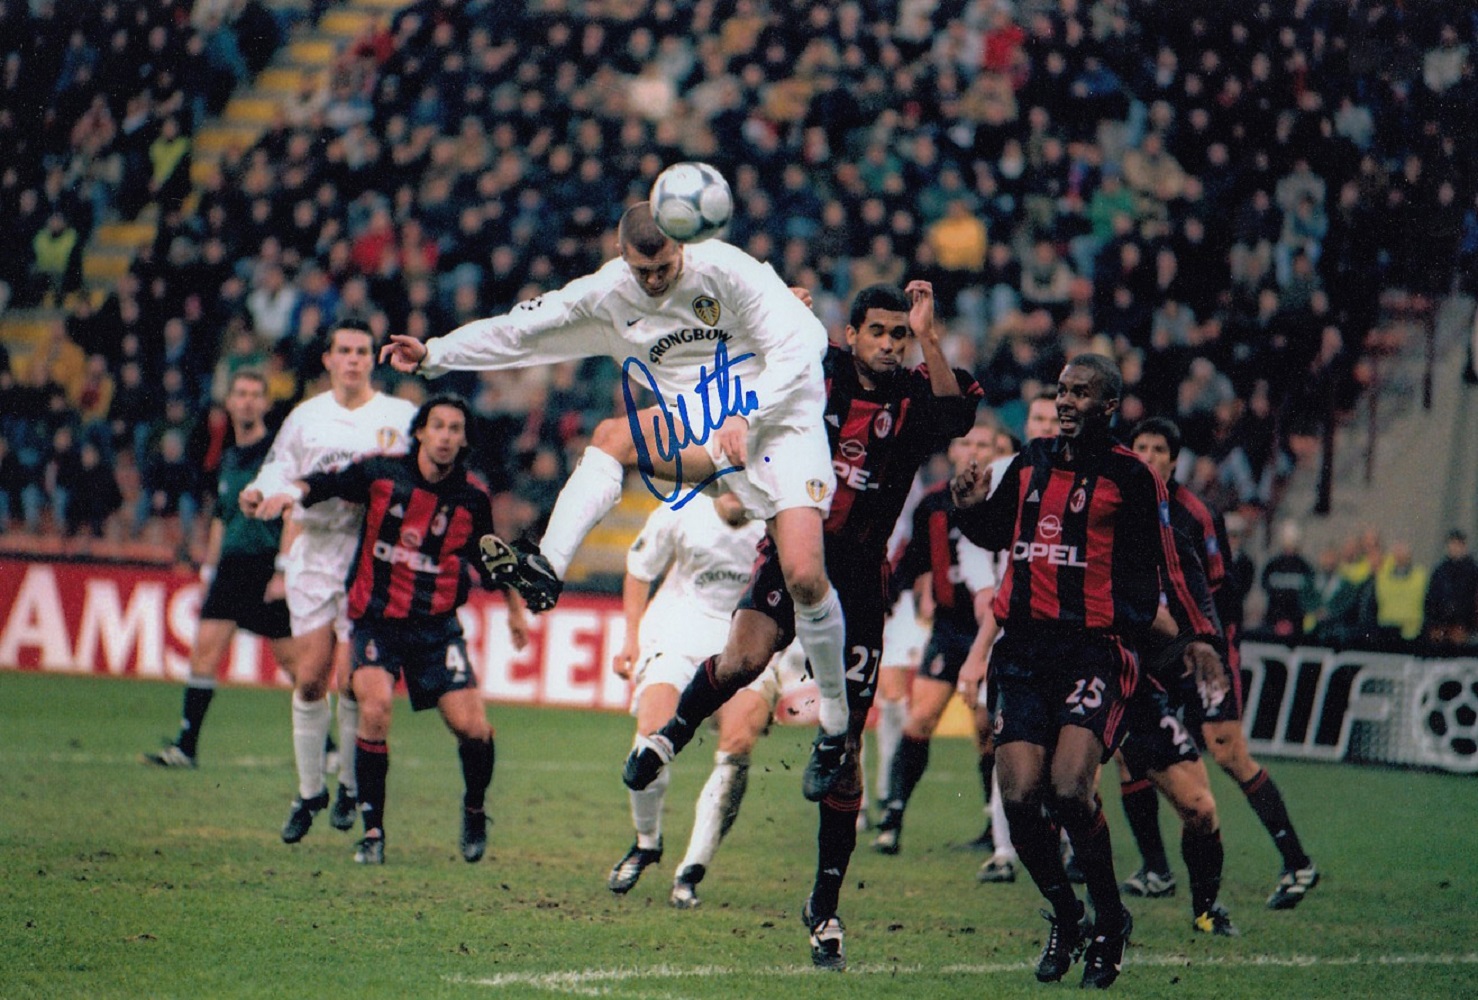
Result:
pixel 591 982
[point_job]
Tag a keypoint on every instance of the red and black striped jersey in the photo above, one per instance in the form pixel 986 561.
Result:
pixel 418 543
pixel 1208 536
pixel 934 548
pixel 1089 542
pixel 879 438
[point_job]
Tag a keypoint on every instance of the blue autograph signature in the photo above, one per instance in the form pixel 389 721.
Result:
pixel 673 431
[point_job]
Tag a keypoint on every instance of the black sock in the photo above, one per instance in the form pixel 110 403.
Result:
pixel 1142 810
pixel 198 693
pixel 371 764
pixel 909 763
pixel 1204 858
pixel 1035 839
pixel 986 762
pixel 1267 802
pixel 478 757
pixel 1089 835
pixel 703 696
pixel 836 839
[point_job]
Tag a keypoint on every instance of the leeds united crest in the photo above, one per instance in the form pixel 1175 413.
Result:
pixel 707 309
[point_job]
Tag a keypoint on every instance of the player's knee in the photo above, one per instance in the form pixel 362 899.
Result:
pixel 740 666
pixel 1198 812
pixel 806 581
pixel 921 727
pixel 374 718
pixel 737 744
pixel 613 437
pixel 1072 798
pixel 472 730
pixel 312 687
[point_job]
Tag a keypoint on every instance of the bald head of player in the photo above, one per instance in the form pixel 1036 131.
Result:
pixel 655 259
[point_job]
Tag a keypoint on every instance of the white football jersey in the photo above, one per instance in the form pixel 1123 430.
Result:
pixel 319 435
pixel 723 296
pixel 708 566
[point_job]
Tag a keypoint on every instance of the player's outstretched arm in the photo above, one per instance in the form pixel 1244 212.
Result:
pixel 921 321
pixel 403 353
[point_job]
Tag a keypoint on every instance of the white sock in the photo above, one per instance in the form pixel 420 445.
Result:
pixel 311 720
pixel 823 632
pixel 1000 829
pixel 589 494
pixel 718 807
pixel 892 714
pixel 646 812
pixel 348 733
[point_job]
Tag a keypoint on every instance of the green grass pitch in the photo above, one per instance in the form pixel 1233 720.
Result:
pixel 120 880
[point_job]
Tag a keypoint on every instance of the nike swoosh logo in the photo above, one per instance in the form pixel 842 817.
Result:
pixel 633 322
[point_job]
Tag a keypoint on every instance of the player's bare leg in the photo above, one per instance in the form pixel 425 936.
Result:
pixel 821 630
pixel 741 721
pixel 656 706
pixel 1186 786
pixel 892 703
pixel 985 763
pixel 592 491
pixel 752 641
pixel 1141 803
pixel 312 672
pixel 466 716
pixel 346 801
pixel 928 699
pixel 1074 778
pixel 1021 768
pixel 1227 744
pixel 374 688
pixel 212 639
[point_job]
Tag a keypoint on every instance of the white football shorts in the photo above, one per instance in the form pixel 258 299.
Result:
pixel 317 568
pixel 904 636
pixel 788 467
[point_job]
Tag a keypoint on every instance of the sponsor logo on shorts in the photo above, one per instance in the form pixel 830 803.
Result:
pixel 773 598
pixel 371 652
pixel 707 309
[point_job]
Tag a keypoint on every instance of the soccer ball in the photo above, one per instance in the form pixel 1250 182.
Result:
pixel 691 202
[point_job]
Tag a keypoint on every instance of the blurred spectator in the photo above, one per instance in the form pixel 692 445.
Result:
pixel 1345 611
pixel 91 489
pixel 56 261
pixel 20 490
pixel 1046 281
pixel 168 486
pixel 169 160
pixel 1288 581
pixel 1451 608
pixel 272 303
pixel 1400 590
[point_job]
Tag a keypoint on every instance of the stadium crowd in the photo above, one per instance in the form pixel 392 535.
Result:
pixel 1214 195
